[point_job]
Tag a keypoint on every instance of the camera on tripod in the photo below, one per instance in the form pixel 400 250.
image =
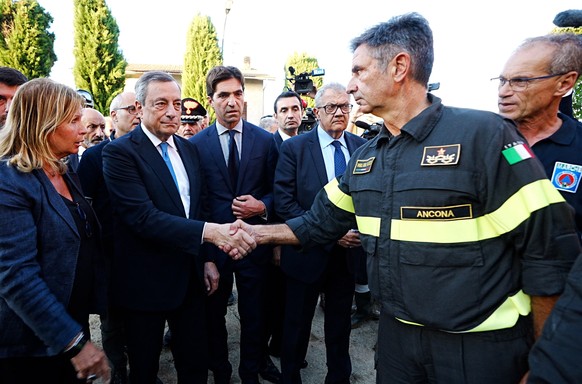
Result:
pixel 303 85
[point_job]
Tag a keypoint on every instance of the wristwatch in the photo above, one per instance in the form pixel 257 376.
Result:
pixel 77 346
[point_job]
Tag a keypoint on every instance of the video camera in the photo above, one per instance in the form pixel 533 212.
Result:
pixel 308 121
pixel 370 130
pixel 302 83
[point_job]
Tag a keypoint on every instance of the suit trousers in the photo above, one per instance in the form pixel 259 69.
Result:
pixel 145 331
pixel 250 282
pixel 337 283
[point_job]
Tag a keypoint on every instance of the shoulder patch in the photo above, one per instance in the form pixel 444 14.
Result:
pixel 566 177
pixel 363 166
pixel 516 152
pixel 441 155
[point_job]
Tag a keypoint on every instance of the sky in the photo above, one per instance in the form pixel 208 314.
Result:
pixel 472 40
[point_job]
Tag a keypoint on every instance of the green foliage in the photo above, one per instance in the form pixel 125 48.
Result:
pixel 577 100
pixel 99 64
pixel 577 95
pixel 202 53
pixel 303 63
pixel 25 43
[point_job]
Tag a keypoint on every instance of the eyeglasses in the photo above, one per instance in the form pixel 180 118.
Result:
pixel 332 108
pixel 83 216
pixel 131 109
pixel 520 83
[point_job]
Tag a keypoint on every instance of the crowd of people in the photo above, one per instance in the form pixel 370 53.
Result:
pixel 463 225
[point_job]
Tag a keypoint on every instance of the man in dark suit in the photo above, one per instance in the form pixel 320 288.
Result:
pixel 306 164
pixel 238 163
pixel 124 118
pixel 156 187
pixel 288 112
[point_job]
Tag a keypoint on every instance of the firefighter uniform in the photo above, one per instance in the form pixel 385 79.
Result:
pixel 460 224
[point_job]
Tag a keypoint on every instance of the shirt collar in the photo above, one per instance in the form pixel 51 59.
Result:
pixel 420 125
pixel 325 139
pixel 221 128
pixel 155 140
pixel 284 136
pixel 566 133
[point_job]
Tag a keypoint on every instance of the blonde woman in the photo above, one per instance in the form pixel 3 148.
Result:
pixel 50 259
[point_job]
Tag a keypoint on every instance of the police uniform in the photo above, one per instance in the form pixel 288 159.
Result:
pixel 460 224
pixel 561 156
pixel 192 111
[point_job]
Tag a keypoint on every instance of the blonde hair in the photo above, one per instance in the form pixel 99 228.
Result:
pixel 38 108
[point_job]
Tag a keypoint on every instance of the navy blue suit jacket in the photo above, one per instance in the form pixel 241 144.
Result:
pixel 39 247
pixel 90 172
pixel 156 246
pixel 299 176
pixel 278 139
pixel 257 168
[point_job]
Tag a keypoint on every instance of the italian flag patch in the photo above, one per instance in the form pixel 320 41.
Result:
pixel 517 153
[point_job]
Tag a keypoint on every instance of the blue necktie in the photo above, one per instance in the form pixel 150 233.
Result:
pixel 233 160
pixel 339 160
pixel 164 147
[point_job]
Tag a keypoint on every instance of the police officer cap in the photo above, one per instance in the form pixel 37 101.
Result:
pixel 192 110
pixel 88 98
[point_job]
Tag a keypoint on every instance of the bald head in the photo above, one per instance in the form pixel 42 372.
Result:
pixel 94 122
pixel 124 115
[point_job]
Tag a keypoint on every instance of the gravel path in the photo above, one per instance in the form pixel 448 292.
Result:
pixel 362 344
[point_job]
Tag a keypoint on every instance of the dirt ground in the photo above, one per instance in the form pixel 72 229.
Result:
pixel 362 344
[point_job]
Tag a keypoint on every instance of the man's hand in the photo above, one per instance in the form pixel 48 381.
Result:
pixel 211 277
pixel 246 206
pixel 237 244
pixel 92 361
pixel 265 234
pixel 350 239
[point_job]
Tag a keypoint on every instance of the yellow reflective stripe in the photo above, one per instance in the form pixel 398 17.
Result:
pixel 369 225
pixel 505 316
pixel 337 197
pixel 409 322
pixel 511 214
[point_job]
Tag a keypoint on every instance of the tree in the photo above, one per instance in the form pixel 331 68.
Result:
pixel 202 53
pixel 302 63
pixel 25 43
pixel 570 21
pixel 99 64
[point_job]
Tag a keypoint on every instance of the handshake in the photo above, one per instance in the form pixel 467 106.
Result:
pixel 238 239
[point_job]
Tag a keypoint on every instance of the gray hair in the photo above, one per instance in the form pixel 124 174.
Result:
pixel 567 54
pixel 330 86
pixel 141 87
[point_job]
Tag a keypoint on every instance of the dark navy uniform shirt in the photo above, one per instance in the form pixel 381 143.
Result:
pixel 561 156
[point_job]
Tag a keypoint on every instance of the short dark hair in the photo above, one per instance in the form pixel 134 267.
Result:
pixel 409 33
pixel 221 73
pixel 11 76
pixel 285 95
